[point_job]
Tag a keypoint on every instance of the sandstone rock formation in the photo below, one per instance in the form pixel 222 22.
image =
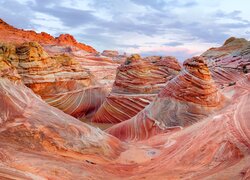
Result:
pixel 41 142
pixel 230 62
pixel 11 34
pixel 196 125
pixel 102 67
pixel 137 83
pixel 188 98
pixel 30 126
pixel 59 80
pixel 110 53
pixel 115 56
pixel 7 55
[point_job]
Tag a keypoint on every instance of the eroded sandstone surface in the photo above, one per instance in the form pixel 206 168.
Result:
pixel 136 84
pixel 186 99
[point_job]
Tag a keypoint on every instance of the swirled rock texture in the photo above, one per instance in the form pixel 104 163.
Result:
pixel 30 126
pixel 230 62
pixel 41 142
pixel 137 83
pixel 11 34
pixel 188 98
pixel 60 80
pixel 7 55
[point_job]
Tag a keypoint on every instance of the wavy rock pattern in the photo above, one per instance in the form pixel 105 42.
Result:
pixel 136 85
pixel 59 80
pixel 7 55
pixel 41 142
pixel 28 122
pixel 230 62
pixel 188 98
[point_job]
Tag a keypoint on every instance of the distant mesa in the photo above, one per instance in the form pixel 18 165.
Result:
pixel 110 53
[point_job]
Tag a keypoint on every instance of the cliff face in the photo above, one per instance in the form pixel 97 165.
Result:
pixel 11 34
pixel 137 83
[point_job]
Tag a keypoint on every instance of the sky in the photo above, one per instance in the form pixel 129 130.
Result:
pixel 180 28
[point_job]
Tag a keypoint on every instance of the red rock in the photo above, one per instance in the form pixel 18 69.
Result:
pixel 59 80
pixel 136 85
pixel 192 130
pixel 188 98
pixel 7 70
pixel 215 148
pixel 110 53
pixel 27 122
pixel 115 56
pixel 230 62
pixel 11 34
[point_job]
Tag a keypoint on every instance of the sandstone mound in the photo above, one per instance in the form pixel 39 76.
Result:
pixel 230 62
pixel 7 55
pixel 188 98
pixel 137 83
pixel 41 142
pixel 27 122
pixel 59 80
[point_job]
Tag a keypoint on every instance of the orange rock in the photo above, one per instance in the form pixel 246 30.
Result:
pixel 38 141
pixel 60 80
pixel 188 98
pixel 136 85
pixel 11 34
pixel 230 62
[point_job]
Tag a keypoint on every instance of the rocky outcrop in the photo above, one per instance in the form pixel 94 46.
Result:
pixel 188 98
pixel 60 80
pixel 11 34
pixel 67 39
pixel 28 123
pixel 137 83
pixel 7 55
pixel 41 142
pixel 110 53
pixel 230 62
pixel 114 56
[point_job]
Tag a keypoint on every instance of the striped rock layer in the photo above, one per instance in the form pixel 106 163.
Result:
pixel 188 98
pixel 41 142
pixel 27 122
pixel 230 62
pixel 136 85
pixel 60 80
pixel 7 70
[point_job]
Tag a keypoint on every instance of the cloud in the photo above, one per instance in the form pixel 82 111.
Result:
pixel 179 52
pixel 234 15
pixel 176 27
pixel 165 4
pixel 70 17
pixel 15 13
pixel 173 44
